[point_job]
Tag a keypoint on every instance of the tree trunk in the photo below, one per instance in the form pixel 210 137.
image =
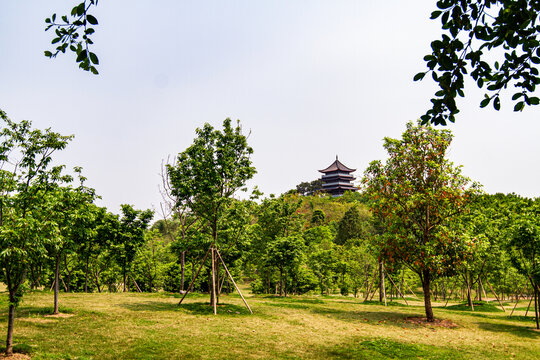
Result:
pixel 536 305
pixel 469 291
pixel 280 281
pixel 427 295
pixel 381 281
pixel 382 286
pixel 214 299
pixel 56 283
pixel 218 288
pixel 125 279
pixel 86 275
pixel 11 317
pixel 182 270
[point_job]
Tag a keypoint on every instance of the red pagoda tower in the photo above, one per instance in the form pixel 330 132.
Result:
pixel 337 178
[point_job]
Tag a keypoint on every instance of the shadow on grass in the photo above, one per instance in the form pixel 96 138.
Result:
pixel 389 303
pixel 150 306
pixel 287 305
pixel 379 317
pixel 382 348
pixel 204 308
pixel 293 299
pixel 501 316
pixel 33 311
pixel 18 349
pixel 478 307
pixel 520 331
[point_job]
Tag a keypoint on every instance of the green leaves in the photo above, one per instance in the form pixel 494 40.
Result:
pixel 211 170
pixel 75 33
pixel 27 181
pixel 513 29
pixel 414 196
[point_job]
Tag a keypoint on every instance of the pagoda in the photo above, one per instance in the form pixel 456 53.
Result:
pixel 337 179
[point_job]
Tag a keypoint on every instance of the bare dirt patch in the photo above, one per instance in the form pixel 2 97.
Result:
pixel 38 320
pixel 59 315
pixel 422 321
pixel 15 357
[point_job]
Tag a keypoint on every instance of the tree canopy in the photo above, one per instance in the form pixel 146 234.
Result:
pixel 494 42
pixel 414 196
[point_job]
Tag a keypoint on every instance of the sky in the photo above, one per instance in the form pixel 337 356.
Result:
pixel 308 79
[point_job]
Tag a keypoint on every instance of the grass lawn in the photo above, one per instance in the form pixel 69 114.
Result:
pixel 153 326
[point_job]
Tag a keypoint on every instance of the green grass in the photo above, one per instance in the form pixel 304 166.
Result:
pixel 153 326
pixel 479 306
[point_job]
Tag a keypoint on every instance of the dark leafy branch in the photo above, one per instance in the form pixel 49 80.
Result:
pixel 473 29
pixel 74 33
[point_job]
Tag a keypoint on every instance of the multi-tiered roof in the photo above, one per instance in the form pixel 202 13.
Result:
pixel 337 178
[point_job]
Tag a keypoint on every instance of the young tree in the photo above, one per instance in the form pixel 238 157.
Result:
pixel 353 225
pixel 495 41
pixel 415 195
pixel 130 237
pixel 26 177
pixel 524 247
pixel 71 213
pixel 208 173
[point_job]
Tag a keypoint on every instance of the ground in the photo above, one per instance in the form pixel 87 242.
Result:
pixel 153 326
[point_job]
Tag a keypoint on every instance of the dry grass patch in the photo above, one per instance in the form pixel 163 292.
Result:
pixel 152 326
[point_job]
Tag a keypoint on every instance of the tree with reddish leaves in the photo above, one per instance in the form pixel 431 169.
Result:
pixel 415 196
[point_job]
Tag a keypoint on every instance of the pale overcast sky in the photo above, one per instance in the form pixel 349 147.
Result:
pixel 310 79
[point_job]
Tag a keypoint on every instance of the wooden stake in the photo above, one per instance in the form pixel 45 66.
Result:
pixel 221 285
pixel 195 277
pixel 528 307
pixel 65 287
pixel 396 287
pixel 234 283
pixel 368 290
pixel 517 301
pixel 136 285
pixel 411 290
pixel 502 307
pixel 448 298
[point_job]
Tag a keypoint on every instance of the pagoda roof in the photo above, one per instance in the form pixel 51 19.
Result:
pixel 337 166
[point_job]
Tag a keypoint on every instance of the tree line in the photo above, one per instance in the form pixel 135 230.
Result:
pixel 417 226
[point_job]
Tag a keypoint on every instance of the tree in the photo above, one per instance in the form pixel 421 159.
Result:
pixel 74 32
pixel 415 195
pixel 71 213
pixel 318 217
pixel 493 40
pixel 208 173
pixel 26 178
pixel 524 247
pixel 285 253
pixel 130 237
pixel 309 188
pixel 353 225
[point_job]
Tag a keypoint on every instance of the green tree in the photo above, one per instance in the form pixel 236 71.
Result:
pixel 70 207
pixel 130 237
pixel 524 246
pixel 415 196
pixel 309 188
pixel 285 253
pixel 208 173
pixel 494 42
pixel 353 225
pixel 26 177
pixel 318 217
